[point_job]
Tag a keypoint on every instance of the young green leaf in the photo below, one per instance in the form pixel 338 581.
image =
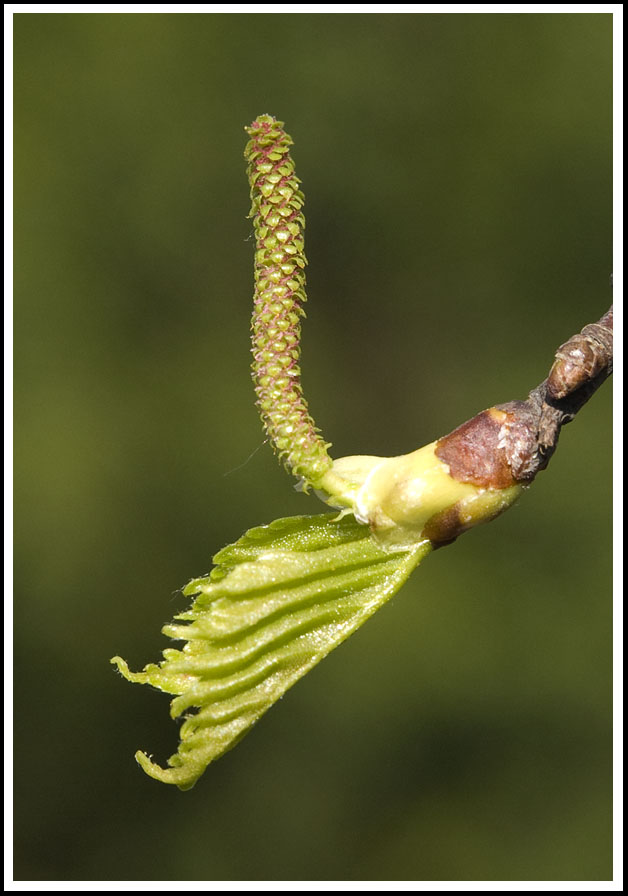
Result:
pixel 277 602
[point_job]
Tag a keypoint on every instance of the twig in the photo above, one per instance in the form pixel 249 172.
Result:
pixel 512 442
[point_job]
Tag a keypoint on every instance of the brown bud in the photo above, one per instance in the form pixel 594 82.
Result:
pixel 582 358
pixel 475 452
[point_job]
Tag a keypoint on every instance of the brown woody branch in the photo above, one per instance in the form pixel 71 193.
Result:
pixel 510 443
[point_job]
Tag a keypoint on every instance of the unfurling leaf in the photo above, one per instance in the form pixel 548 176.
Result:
pixel 277 602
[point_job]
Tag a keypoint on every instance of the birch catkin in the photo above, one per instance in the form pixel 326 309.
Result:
pixel 279 296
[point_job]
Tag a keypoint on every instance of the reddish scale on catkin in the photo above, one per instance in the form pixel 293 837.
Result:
pixel 280 261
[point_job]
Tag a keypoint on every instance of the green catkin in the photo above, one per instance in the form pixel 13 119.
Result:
pixel 280 261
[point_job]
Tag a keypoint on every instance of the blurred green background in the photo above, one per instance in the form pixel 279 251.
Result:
pixel 457 172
